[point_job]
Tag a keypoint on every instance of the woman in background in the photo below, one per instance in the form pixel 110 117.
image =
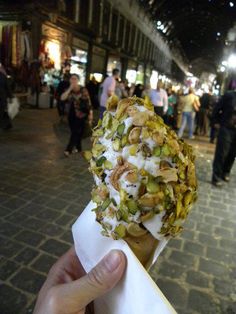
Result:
pixel 78 110
pixel 190 106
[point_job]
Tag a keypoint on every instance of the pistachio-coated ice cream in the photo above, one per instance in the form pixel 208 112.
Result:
pixel 144 175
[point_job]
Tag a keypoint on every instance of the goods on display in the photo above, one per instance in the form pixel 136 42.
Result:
pixel 145 182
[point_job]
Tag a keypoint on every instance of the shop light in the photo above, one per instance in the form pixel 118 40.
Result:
pixel 222 68
pixel 159 23
pixel 232 61
pixel 231 4
pixel 218 34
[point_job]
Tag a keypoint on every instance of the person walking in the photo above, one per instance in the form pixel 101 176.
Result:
pixel 78 111
pixel 5 92
pixel 93 87
pixel 206 102
pixel 108 89
pixel 159 99
pixel 190 105
pixel 224 113
pixel 179 109
pixel 62 87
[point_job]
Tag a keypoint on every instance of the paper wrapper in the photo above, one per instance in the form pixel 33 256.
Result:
pixel 136 293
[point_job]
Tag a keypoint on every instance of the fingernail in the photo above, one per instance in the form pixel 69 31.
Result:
pixel 112 261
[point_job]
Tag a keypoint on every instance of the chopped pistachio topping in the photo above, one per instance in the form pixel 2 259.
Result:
pixel 142 170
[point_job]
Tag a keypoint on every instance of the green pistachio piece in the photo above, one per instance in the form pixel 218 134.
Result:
pixel 188 197
pixel 107 120
pixel 118 215
pixel 108 165
pixel 157 151
pixel 165 150
pixel 123 195
pixel 152 187
pixel 120 231
pixel 182 175
pixel 120 129
pixel 147 216
pixel 124 140
pixel 87 155
pixel 98 132
pixel 105 204
pixel 116 145
pixel 100 161
pixel 124 212
pixel 98 149
pixel 132 206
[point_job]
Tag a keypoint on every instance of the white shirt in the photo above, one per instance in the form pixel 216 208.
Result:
pixel 108 87
pixel 159 98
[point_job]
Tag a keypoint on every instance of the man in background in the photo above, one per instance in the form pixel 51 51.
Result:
pixel 224 113
pixel 108 89
pixel 159 99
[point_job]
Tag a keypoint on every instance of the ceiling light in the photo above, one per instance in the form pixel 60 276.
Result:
pixel 231 4
pixel 232 61
pixel 224 63
pixel 158 23
pixel 222 68
pixel 218 34
pixel 162 27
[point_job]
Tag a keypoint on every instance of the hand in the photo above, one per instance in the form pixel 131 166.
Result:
pixel 68 289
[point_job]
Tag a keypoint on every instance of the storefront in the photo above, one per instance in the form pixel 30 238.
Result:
pixel 114 62
pixel 54 50
pixel 79 59
pixel 131 73
pixel 98 63
pixel 15 44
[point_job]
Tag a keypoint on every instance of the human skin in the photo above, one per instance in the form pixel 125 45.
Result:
pixel 69 290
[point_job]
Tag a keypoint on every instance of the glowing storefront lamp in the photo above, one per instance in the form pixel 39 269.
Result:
pixel 232 61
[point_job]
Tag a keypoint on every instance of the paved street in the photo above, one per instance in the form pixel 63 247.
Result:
pixel 42 193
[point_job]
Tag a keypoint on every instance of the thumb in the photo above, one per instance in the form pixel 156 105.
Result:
pixel 76 295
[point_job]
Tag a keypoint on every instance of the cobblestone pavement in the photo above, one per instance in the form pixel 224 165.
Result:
pixel 42 193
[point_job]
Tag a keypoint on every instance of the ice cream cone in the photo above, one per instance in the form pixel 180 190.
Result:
pixel 143 247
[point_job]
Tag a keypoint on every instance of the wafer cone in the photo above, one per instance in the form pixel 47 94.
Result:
pixel 143 247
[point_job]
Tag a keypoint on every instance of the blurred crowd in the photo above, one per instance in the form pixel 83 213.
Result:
pixel 184 111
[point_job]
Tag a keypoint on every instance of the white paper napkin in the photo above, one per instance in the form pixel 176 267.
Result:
pixel 136 293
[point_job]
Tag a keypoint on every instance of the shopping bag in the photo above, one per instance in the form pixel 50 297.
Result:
pixel 13 107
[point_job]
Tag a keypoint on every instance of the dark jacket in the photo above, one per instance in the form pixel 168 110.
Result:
pixel 224 112
pixel 5 91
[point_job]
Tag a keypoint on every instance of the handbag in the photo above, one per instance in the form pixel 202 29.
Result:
pixel 13 107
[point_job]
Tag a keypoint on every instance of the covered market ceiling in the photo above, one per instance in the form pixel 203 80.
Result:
pixel 198 28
